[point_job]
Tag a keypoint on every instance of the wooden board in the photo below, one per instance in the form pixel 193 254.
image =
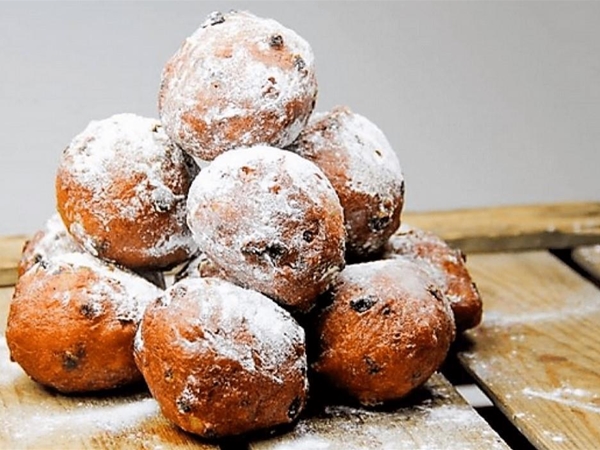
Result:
pixel 560 225
pixel 588 258
pixel 10 253
pixel 537 353
pixel 440 419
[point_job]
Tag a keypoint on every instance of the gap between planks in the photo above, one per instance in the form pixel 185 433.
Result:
pixel 536 353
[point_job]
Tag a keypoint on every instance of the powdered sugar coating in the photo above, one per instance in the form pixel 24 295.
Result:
pixel 214 339
pixel 46 243
pixel 127 293
pixel 239 80
pixel 271 221
pixel 445 265
pixel 121 191
pixel 364 170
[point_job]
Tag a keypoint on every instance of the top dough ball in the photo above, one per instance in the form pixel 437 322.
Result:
pixel 239 80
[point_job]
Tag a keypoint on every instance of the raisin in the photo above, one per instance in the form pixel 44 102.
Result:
pixel 214 18
pixel 372 366
pixel 276 41
pixel 183 405
pixel 379 223
pixel 88 311
pixel 360 305
pixel 299 63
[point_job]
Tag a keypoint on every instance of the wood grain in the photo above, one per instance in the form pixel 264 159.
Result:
pixel 10 253
pixel 438 419
pixel 34 418
pixel 588 258
pixel 560 225
pixel 537 353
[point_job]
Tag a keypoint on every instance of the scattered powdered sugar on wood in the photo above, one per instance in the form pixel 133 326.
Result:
pixel 242 68
pixel 575 398
pixel 228 313
pixel 128 293
pixel 39 419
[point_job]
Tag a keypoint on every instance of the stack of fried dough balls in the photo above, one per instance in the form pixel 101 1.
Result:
pixel 296 216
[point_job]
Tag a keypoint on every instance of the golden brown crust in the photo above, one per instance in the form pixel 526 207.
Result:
pixel 221 360
pixel 446 265
pixel 386 331
pixel 66 331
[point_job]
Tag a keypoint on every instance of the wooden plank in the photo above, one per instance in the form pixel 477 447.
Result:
pixel 10 253
pixel 437 419
pixel 560 225
pixel 588 258
pixel 537 352
pixel 34 418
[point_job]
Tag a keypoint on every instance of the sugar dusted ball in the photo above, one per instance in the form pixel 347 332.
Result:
pixel 72 321
pixel 221 360
pixel 386 331
pixel 448 268
pixel 271 221
pixel 121 191
pixel 239 80
pixel 364 170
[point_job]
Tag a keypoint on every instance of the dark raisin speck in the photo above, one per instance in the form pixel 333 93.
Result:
pixel 294 408
pixel 276 41
pixel 214 18
pixel 433 290
pixel 379 223
pixel 168 375
pixel 360 305
pixel 386 311
pixel 71 360
pixel 299 62
pixel 372 366
pixel 308 236
pixel 88 311
pixel 183 405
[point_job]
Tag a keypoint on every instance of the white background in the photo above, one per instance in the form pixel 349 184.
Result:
pixel 485 103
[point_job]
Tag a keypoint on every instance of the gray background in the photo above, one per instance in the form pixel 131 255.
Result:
pixel 485 103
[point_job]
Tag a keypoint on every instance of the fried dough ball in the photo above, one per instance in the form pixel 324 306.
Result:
pixel 221 360
pixel 271 221
pixel 364 170
pixel 121 190
pixel 386 331
pixel 446 266
pixel 239 80
pixel 72 322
